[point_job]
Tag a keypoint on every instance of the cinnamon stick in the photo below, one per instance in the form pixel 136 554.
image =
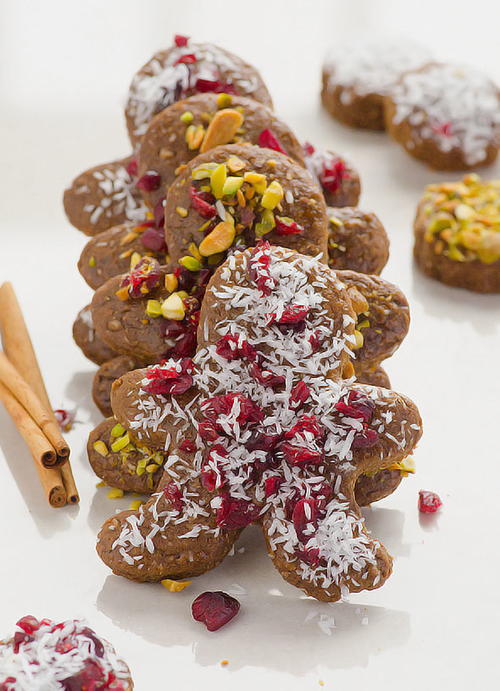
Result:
pixel 19 349
pixel 21 390
pixel 38 445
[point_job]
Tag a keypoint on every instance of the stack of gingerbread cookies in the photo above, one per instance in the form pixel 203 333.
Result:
pixel 240 323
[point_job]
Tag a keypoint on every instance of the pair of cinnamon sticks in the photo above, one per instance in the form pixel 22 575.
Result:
pixel 23 393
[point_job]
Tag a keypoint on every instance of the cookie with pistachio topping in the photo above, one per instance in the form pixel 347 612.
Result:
pixel 104 196
pixel 185 69
pixel 118 249
pixel 446 115
pixel 457 233
pixel 356 240
pixel 86 338
pixel 233 196
pixel 43 655
pixel 337 177
pixel 200 123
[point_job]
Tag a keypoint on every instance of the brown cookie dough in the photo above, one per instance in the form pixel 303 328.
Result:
pixel 122 461
pixel 104 196
pixel 356 240
pixel 107 373
pixel 338 179
pixel 199 123
pixel 447 116
pixel 267 195
pixel 358 75
pixel 183 70
pixel 457 234
pixel 118 249
pixel 377 486
pixel 86 338
pixel 375 377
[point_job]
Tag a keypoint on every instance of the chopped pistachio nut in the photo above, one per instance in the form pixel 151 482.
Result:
pixel 187 117
pixel 92 261
pixel 359 340
pixel 173 307
pixel 171 283
pixel 115 493
pixel 193 249
pixel 190 263
pixel 120 443
pixel 217 180
pixel 203 171
pixel 174 586
pixel 220 239
pixel 234 164
pixel 463 219
pixel 122 293
pixel 224 100
pixel 257 180
pixel 194 136
pixel 134 260
pixel 273 195
pixel 222 129
pixel 118 430
pixel 266 224
pixel 153 308
pixel 100 448
pixel 231 186
pixel 152 468
pixel 181 211
pixel 136 504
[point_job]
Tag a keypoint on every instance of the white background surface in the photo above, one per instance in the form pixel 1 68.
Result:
pixel 64 71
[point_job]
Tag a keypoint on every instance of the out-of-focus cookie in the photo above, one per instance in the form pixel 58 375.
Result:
pixel 356 240
pixel 86 338
pixel 457 234
pixel 358 75
pixel 184 69
pixel 447 116
pixel 107 373
pixel 338 180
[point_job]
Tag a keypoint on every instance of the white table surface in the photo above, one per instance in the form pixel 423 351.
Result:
pixel 64 70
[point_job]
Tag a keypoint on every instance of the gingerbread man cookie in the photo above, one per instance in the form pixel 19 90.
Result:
pixel 260 427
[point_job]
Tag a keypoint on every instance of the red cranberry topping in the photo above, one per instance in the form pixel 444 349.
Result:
pixel 332 175
pixel 269 140
pixel 299 455
pixel 159 213
pixel 272 485
pixel 19 639
pixel 259 271
pixel 215 609
pixel 315 339
pixel 445 129
pixel 308 148
pixel 213 85
pixel 309 556
pixel 234 514
pixel 209 479
pixel 154 239
pixel 149 182
pixel 356 407
pixel 170 381
pixel 208 430
pixel 304 513
pixel 247 216
pixel 287 226
pixel 428 502
pixel 181 41
pixel 28 624
pixel 185 346
pixel 201 202
pixel 132 168
pixel 249 413
pixel 173 493
pixel 233 348
pixel 299 394
pixel 266 377
pixel 186 59
pixel 294 314
pixel 259 441
pixel 6 684
pixel 366 438
pixel 98 646
pixel 144 277
pixel 188 446
pixel 307 424
pixel 90 678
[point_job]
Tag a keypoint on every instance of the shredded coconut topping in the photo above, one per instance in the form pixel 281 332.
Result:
pixel 117 188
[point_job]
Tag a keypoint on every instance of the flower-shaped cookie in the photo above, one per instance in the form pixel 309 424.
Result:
pixel 260 427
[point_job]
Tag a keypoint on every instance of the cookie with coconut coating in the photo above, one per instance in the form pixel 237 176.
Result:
pixel 43 655
pixel 357 76
pixel 337 177
pixel 299 435
pixel 185 69
pixel 86 338
pixel 105 196
pixel 116 250
pixel 357 240
pixel 200 123
pixel 233 196
pixel 457 233
pixel 445 115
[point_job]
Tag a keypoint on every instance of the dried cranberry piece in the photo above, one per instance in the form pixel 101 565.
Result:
pixel 173 493
pixel 132 168
pixel 259 441
pixel 185 346
pixel 28 624
pixel 208 430
pixel 309 555
pixel 272 485
pixel 159 213
pixel 154 239
pixel 259 271
pixel 6 684
pixel 294 314
pixel 300 455
pixel 304 513
pixel 247 216
pixel 332 175
pixel 308 148
pixel 315 340
pixel 428 502
pixel 19 639
pixel 269 140
pixel 186 59
pixel 172 329
pixel 149 182
pixel 249 412
pixel 201 204
pixel 98 646
pixel 185 278
pixel 234 514
pixel 144 277
pixel 215 609
pixel 181 41
pixel 445 129
pixel 356 407
pixel 209 479
pixel 287 226
pixel 188 446
pixel 213 85
pixel 170 381
pixel 366 438
pixel 233 348
pixel 299 394
pixel 322 494
pixel 307 424
pixel 266 377
pixel 86 680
